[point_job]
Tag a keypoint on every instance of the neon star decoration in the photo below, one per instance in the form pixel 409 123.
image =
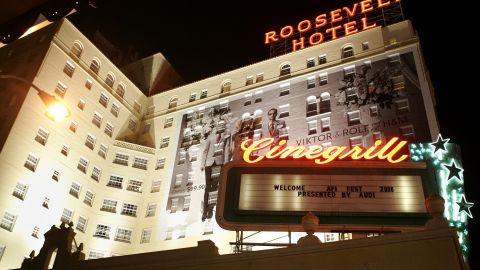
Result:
pixel 439 144
pixel 453 171
pixel 465 206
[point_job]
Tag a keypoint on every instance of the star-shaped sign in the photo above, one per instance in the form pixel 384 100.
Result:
pixel 453 171
pixel 439 144
pixel 465 206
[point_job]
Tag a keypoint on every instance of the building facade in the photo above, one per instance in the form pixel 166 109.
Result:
pixel 138 173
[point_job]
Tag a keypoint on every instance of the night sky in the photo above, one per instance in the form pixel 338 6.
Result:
pixel 201 39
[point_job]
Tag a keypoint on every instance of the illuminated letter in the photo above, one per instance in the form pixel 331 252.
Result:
pixel 329 156
pixel 293 151
pixel 367 154
pixel 334 31
pixel 354 153
pixel 314 36
pixel 381 154
pixel 365 26
pixel 335 16
pixel 297 43
pixel 350 28
pixel 255 146
pixel 394 151
pixel 302 29
pixel 314 152
pixel 320 20
pixel 366 6
pixel 271 153
pixel 381 4
pixel 270 36
pixel 288 29
pixel 351 13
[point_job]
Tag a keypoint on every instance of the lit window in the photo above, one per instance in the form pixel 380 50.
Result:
pixel 67 216
pixel 103 99
pixel 365 46
pixel 249 80
pixel 160 164
pixel 31 162
pixel 173 102
pixel 90 141
pixel 193 97
pixel 322 59
pixel 82 224
pixel 140 163
pixel 97 119
pixel 96 172
pixel 81 104
pixel 60 89
pixel 120 90
pixel 347 51
pixel 75 189
pixel 132 124
pixel 186 203
pixel 109 129
pixel 155 186
pixel 95 65
pixel 312 127
pixel 310 62
pixel 56 175
pixel 165 142
pixel 137 106
pixel 259 77
pixel 42 136
pixel 102 151
pixel 402 106
pixel 8 221
pixel 115 181
pixel 325 124
pixel 35 231
pixel 73 126
pixel 323 78
pixel 146 234
pixel 109 206
pixel 115 109
pixel 151 208
pixel 20 191
pixel 110 80
pixel 356 141
pixel 123 235
pixel 77 49
pixel 168 122
pixel 95 254
pixel 65 150
pixel 88 84
pixel 226 86
pixel 102 231
pixel 129 209
pixel 283 111
pixel 325 103
pixel 135 185
pixel 69 68
pixel 82 164
pixel 284 89
pixel 204 93
pixel 311 106
pixel 353 118
pixel 349 72
pixel 285 70
pixel 89 196
pixel 121 159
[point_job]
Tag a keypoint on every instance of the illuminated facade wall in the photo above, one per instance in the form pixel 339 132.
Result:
pixel 112 166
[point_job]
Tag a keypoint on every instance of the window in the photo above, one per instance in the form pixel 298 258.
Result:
pixel 95 254
pixel 35 231
pixel 173 102
pixel 60 89
pixel 310 62
pixel 373 111
pixel 151 209
pixel 353 118
pixel 394 60
pixel 31 162
pixel 102 231
pixel 349 72
pixel 284 111
pixel 67 215
pixel 323 77
pixel 132 124
pixel 46 202
pixel 69 68
pixel 204 93
pixel 115 181
pixel 312 127
pixel 140 163
pixel 109 206
pixel 81 104
pixel 226 86
pixel 259 77
pixel 174 205
pixel 56 175
pixel 95 65
pixel 115 109
pixel 182 157
pixel 365 46
pixel 120 90
pixel 77 49
pixel 325 103
pixel 311 106
pixel 20 191
pixel 212 197
pixel 208 227
pixel 129 209
pixel 193 97
pixel 356 141
pixel 257 97
pixel 146 234
pixel 82 224
pixel 121 159
pixel 103 151
pixel 75 189
pixel 165 142
pixel 160 164
pixel 97 119
pixel 310 82
pixel 178 180
pixel 137 106
pixel 110 80
pixel 325 124
pixel 109 129
pixel 402 106
pixel 42 136
pixel 123 235
pixel 322 59
pixel 89 196
pixel 103 99
pixel 8 221
pixel 155 186
pixel 96 172
pixel 407 132
pixel 190 177
pixel 88 84
pixel 248 100
pixel 398 83
pixel 284 89
pixel 249 80
pixel 168 122
pixel 285 70
pixel 347 51
pixel 329 237
pixel 90 141
pixel 377 136
pixel 186 203
pixel 135 185
pixel 82 164
pixel 73 126
pixel 367 64
pixel 65 150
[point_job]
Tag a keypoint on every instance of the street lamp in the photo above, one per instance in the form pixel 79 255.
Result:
pixel 56 109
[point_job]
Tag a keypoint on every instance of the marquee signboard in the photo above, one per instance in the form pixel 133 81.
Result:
pixel 345 195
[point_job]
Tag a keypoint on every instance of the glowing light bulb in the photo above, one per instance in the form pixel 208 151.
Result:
pixel 57 111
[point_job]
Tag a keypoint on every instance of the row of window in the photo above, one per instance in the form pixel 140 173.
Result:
pixel 138 162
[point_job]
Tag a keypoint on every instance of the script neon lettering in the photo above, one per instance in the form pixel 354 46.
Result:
pixel 319 155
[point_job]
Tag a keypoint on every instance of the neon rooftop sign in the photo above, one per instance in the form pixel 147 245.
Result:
pixel 389 151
